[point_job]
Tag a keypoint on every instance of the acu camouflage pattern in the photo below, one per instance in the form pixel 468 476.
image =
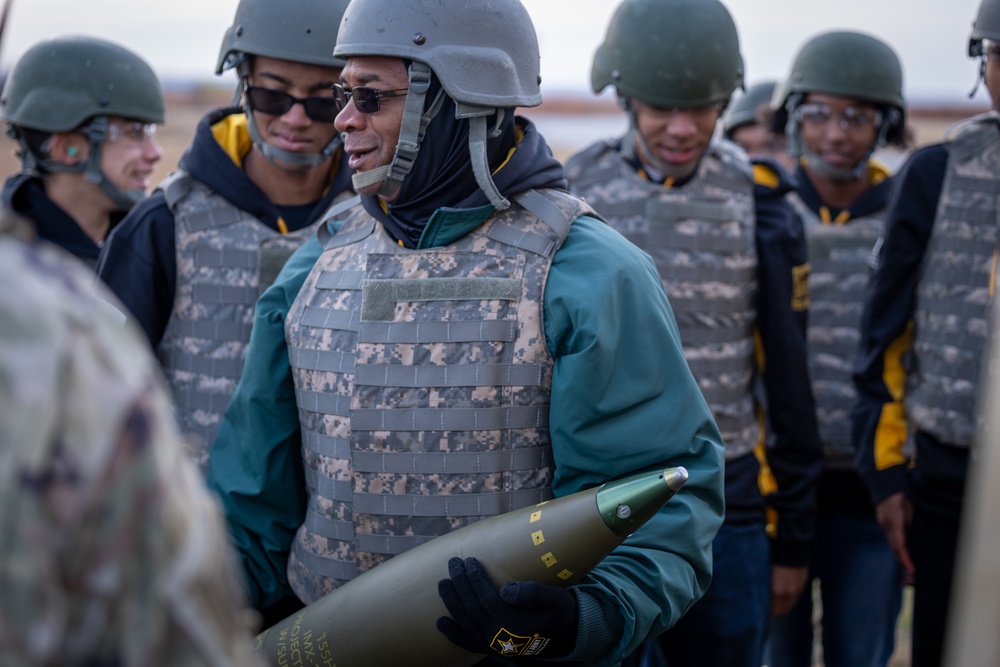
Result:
pixel 955 291
pixel 222 252
pixel 702 238
pixel 839 260
pixel 111 550
pixel 423 382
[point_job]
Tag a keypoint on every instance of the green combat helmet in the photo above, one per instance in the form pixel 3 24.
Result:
pixel 847 64
pixel 301 31
pixel 75 83
pixel 986 26
pixel 744 108
pixel 486 60
pixel 669 54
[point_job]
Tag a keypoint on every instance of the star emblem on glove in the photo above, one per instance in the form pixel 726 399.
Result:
pixel 507 643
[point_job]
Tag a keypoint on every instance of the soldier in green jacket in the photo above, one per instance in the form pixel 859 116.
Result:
pixel 471 340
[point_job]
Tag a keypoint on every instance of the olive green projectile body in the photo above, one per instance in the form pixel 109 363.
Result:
pixel 387 616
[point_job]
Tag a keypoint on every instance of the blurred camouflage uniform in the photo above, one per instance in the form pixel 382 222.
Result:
pixel 111 552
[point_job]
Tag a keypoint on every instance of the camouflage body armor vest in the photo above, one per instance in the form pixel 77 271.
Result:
pixel 702 238
pixel 423 382
pixel 839 267
pixel 219 265
pixel 954 295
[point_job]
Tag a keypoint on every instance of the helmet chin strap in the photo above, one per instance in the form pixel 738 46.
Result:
pixel 95 131
pixel 274 153
pixel 634 137
pixel 411 134
pixel 477 149
pixel 241 62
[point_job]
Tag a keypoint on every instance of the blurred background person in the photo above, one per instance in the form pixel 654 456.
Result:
pixel 747 123
pixel 83 112
pixel 112 552
pixel 842 101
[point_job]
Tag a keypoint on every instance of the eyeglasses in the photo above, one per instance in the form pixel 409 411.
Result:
pixel 134 131
pixel 851 119
pixel 277 103
pixel 366 100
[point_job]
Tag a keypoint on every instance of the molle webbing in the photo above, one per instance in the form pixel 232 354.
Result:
pixel 701 237
pixel 839 257
pixel 422 378
pixel 218 283
pixel 955 292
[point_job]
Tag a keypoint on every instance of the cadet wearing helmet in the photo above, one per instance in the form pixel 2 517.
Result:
pixel 842 100
pixel 113 551
pixel 191 260
pixel 82 111
pixel 732 258
pixel 747 123
pixel 461 348
pixel 925 322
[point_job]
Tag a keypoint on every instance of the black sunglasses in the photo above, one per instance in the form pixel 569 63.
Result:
pixel 277 103
pixel 366 100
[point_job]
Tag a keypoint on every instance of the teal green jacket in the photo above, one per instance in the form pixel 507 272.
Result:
pixel 623 401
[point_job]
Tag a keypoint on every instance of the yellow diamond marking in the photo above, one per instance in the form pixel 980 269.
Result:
pixel 537 537
pixel 549 559
pixel 535 516
pixel 565 574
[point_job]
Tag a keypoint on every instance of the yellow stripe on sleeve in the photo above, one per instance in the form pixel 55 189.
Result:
pixel 890 434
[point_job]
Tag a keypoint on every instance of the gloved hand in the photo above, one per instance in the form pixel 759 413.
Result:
pixel 523 618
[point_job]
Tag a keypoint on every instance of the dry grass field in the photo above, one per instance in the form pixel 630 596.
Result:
pixel 927 124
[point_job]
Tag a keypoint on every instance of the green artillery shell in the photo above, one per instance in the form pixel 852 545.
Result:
pixel 386 616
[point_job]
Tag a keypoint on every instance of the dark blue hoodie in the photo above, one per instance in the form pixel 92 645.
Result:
pixel 139 260
pixel 25 194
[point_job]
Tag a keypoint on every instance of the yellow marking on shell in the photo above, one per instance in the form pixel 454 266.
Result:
pixel 549 559
pixel 537 537
pixel 565 574
pixel 535 516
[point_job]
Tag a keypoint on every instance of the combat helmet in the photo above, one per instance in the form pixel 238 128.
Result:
pixel 302 31
pixel 848 64
pixel 486 60
pixel 986 26
pixel 668 54
pixel 74 83
pixel 744 108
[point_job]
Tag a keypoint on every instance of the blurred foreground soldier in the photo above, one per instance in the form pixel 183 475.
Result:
pixel 191 260
pixel 732 257
pixel 465 345
pixel 842 100
pixel 111 550
pixel 925 323
pixel 83 112
pixel 747 123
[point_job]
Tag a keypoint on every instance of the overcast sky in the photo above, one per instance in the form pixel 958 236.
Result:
pixel 180 38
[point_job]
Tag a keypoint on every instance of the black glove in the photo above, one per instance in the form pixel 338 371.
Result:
pixel 523 618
